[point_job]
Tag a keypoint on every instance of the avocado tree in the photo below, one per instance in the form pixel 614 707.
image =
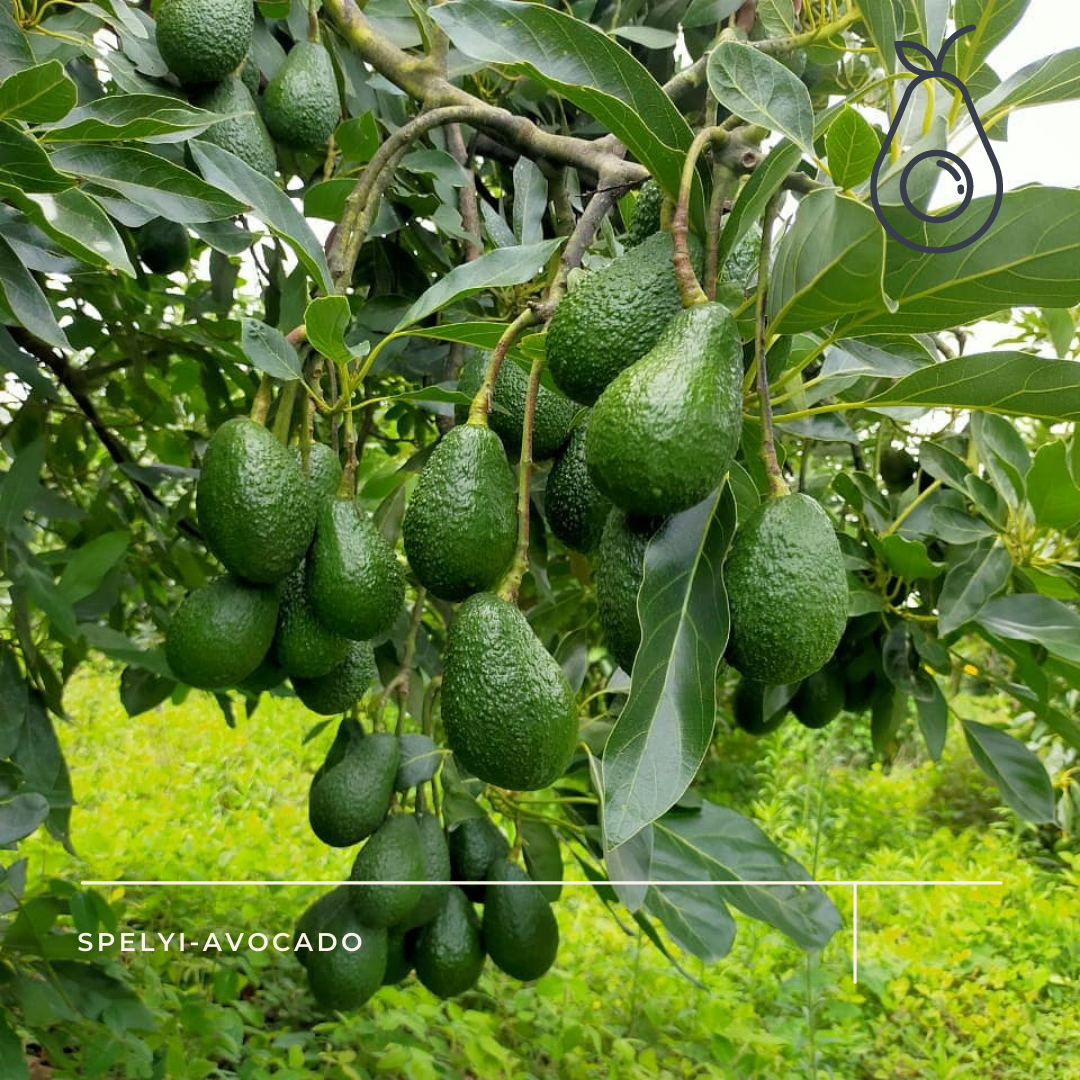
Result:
pixel 534 391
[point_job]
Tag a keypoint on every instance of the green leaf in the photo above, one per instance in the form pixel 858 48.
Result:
pixel 581 63
pixel 37 95
pixel 830 262
pixel 709 12
pixel 971 584
pixel 761 90
pixel 150 118
pixel 142 690
pixel 269 350
pixel 327 319
pixel 267 202
pixel 24 165
pixel 993 21
pixel 852 147
pixel 1034 618
pixel 694 918
pixel 15 51
pixel 908 559
pixel 418 761
pixel 359 138
pixel 1061 329
pixel 21 816
pixel 659 741
pixel 1003 454
pixel 923 21
pixel 543 857
pixel 26 301
pixel 880 19
pixel 147 180
pixel 530 201
pixel 650 36
pixel 12 1054
pixel 1010 383
pixel 480 335
pixel 14 701
pixel 933 714
pixel 1021 778
pixel 1051 79
pixel 20 484
pixel 89 565
pixel 497 269
pixel 1054 495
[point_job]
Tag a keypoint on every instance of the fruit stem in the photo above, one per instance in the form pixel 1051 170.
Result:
pixel 283 417
pixel 260 406
pixel 481 403
pixel 777 486
pixel 404 675
pixel 348 478
pixel 689 286
pixel 724 180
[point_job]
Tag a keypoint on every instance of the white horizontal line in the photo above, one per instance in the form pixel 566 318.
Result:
pixel 657 884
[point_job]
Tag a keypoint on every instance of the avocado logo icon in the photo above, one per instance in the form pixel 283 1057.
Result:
pixel 951 164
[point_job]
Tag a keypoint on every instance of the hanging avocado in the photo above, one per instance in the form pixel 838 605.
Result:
pixel 959 226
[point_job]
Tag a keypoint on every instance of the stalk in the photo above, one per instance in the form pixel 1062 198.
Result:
pixel 777 486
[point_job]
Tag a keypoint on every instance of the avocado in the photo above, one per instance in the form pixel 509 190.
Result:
pixel 619 570
pixel 508 710
pixel 305 647
pixel 449 953
pixel 323 469
pixel 520 932
pixel 435 856
pixel 312 918
pixel 342 688
pixel 551 419
pixel 613 318
pixel 163 246
pixel 475 844
pixel 392 855
pixel 220 633
pixel 256 512
pixel 787 590
pixel 346 976
pixel 301 103
pixel 267 676
pixel 250 75
pixel 662 435
pixel 760 709
pixel 354 580
pixel 202 41
pixel 460 526
pixel 820 698
pixel 244 135
pixel 399 951
pixel 349 800
pixel 897 468
pixel 576 509
pixel 647 213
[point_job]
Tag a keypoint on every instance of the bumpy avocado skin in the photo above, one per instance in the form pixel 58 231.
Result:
pixel 460 526
pixel 507 707
pixel 342 688
pixel 301 103
pixel 244 135
pixel 787 590
pixel 392 855
pixel 449 953
pixel 576 509
pixel 349 801
pixel 664 432
pixel 305 647
pixel 475 844
pixel 551 420
pixel 323 469
pixel 613 318
pixel 619 571
pixel 163 246
pixel 354 580
pixel 520 932
pixel 256 512
pixel 202 41
pixel 220 633
pixel 647 210
pixel 435 856
pixel 820 699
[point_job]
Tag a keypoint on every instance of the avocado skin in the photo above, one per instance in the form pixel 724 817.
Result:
pixel 576 509
pixel 163 246
pixel 475 844
pixel 324 470
pixel 507 708
pixel 202 41
pixel 898 469
pixel 342 688
pixel 619 570
pixel 391 855
pixel 551 419
pixel 435 856
pixel 304 647
pixel 520 932
pixel 301 103
pixel 399 953
pixel 820 699
pixel 663 434
pixel 256 512
pixel 246 135
pixel 354 580
pixel 647 211
pixel 787 590
pixel 220 633
pixel 756 709
pixel 349 801
pixel 613 318
pixel 449 953
pixel 460 526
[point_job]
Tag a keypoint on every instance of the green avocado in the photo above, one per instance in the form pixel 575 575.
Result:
pixel 820 698
pixel 613 318
pixel 449 952
pixel 267 676
pixel 301 103
pixel 787 590
pixel 475 844
pixel 619 570
pixel 647 212
pixel 244 135
pixel 759 709
pixel 399 953
pixel 304 647
pixel 163 246
pixel 256 512
pixel 342 688
pixel 354 580
pixel 520 932
pixel 460 526
pixel 551 419
pixel 202 41
pixel 323 469
pixel 898 469
pixel 664 432
pixel 220 633
pixel 435 856
pixel 392 855
pixel 508 710
pixel 350 799
pixel 576 509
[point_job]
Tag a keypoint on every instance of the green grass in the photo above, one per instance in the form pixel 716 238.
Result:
pixel 978 983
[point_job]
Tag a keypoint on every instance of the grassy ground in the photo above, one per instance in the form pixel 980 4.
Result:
pixel 980 982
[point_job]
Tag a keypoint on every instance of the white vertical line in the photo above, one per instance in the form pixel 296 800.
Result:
pixel 855 934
